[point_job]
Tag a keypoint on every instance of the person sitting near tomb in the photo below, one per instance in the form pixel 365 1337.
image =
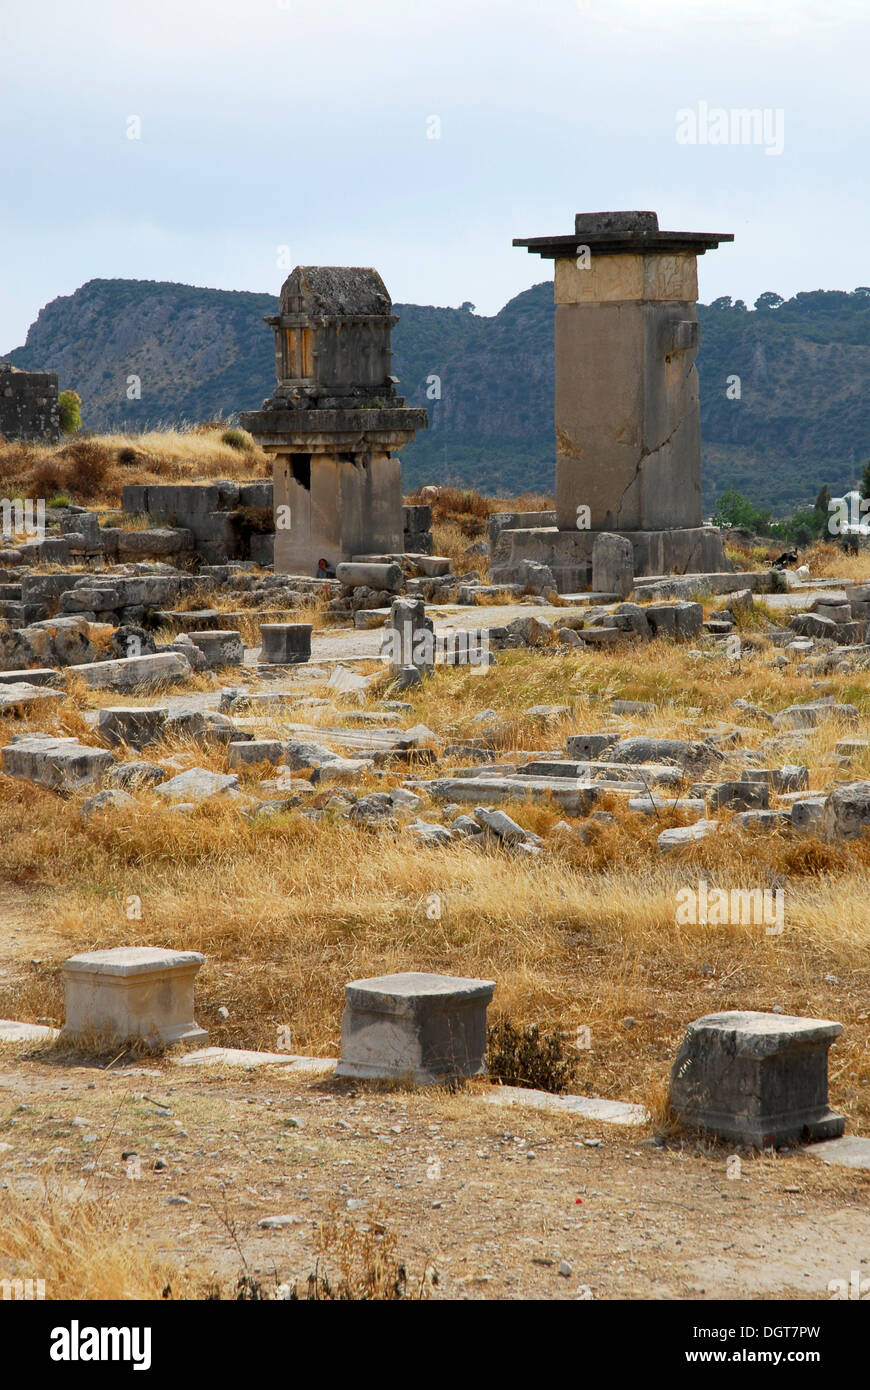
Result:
pixel 325 570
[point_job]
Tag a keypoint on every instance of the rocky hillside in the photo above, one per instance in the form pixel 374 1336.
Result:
pixel 802 417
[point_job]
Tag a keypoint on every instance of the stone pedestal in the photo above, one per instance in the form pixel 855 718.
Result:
pixel 285 644
pixel 132 993
pixel 415 1027
pixel 756 1078
pixel 409 637
pixel 220 647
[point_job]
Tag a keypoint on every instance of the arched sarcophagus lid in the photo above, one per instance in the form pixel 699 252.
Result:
pixel 335 292
pixel 332 339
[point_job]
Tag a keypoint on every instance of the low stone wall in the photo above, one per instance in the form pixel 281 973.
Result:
pixel 222 517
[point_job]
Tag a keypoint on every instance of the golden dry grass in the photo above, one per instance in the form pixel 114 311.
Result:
pixel 79 1245
pixel 94 468
pixel 287 910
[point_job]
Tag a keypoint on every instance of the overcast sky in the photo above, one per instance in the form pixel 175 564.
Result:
pixel 307 125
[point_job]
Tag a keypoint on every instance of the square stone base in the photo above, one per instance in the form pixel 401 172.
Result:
pixel 133 993
pixel 690 550
pixel 756 1078
pixel 414 1027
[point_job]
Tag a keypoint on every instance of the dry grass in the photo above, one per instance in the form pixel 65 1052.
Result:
pixel 287 910
pixel 80 1246
pixel 93 469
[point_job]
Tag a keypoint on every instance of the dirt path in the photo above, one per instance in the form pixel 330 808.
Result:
pixel 495 1200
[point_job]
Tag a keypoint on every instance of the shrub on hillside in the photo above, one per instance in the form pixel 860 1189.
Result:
pixel 238 439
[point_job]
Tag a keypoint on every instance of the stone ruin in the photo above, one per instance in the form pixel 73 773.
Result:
pixel 334 423
pixel 28 405
pixel 628 438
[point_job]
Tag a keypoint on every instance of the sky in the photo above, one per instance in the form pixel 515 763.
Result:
pixel 222 142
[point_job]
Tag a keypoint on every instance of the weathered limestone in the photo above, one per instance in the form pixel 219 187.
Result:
pixel 628 455
pixel 846 813
pixel 756 1078
pixel 55 762
pixel 131 725
pixel 197 784
pixel 258 750
pixel 692 756
pixel 409 636
pixel 612 564
pixel 28 404
pixel 285 644
pixel 136 672
pixel 132 993
pixel 812 714
pixel 23 695
pixel 681 835
pixel 334 424
pixel 219 647
pixel 416 1027
pixel 371 575
pixel 586 746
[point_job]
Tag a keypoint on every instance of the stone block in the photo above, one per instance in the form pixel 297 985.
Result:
pixel 586 746
pixel 131 725
pixel 257 750
pixel 738 796
pixel 49 761
pixel 682 835
pixel 846 813
pixel 285 644
pixel 22 695
pixel 409 636
pixel 756 1078
pixel 132 993
pixel 220 647
pixel 612 564
pixel 197 784
pixel 416 1027
pixel 135 672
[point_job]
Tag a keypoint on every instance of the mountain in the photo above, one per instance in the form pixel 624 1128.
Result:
pixel 801 418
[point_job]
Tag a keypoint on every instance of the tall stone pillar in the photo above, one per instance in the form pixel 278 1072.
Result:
pixel 628 434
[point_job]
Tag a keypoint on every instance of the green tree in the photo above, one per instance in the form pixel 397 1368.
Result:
pixel 70 403
pixel 864 485
pixel 821 502
pixel 732 509
pixel 769 300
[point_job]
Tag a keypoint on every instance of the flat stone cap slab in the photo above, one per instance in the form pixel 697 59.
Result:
pixel 131 960
pixel 404 993
pixel 754 1034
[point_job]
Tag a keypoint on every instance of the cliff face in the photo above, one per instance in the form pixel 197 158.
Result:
pixel 801 418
